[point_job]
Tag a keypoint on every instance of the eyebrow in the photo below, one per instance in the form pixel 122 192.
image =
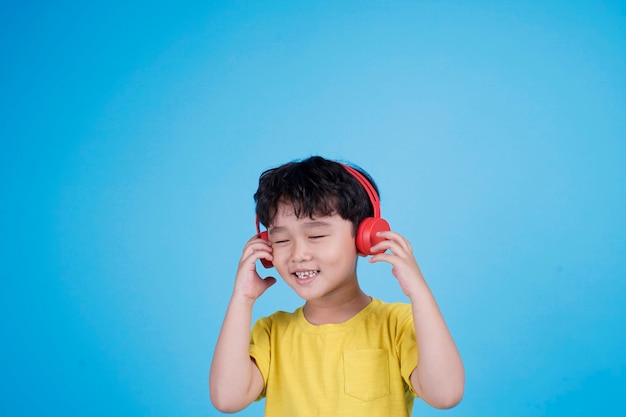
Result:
pixel 316 223
pixel 308 225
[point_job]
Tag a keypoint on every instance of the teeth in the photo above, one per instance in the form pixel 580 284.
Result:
pixel 306 274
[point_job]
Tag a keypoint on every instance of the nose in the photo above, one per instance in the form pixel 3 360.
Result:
pixel 301 251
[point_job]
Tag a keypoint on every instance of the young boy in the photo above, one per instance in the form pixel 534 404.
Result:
pixel 343 353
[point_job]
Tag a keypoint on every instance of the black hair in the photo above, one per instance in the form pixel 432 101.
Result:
pixel 314 187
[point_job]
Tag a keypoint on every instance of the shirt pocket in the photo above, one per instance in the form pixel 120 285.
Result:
pixel 366 373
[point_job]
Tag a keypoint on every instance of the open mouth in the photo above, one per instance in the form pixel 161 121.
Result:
pixel 302 275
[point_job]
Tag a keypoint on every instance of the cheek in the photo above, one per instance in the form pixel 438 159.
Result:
pixel 280 253
pixel 348 243
pixel 341 251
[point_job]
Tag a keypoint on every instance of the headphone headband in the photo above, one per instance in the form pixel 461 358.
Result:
pixel 369 188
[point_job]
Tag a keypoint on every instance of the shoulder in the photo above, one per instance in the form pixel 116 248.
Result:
pixel 278 318
pixel 391 312
pixel 279 323
pixel 394 308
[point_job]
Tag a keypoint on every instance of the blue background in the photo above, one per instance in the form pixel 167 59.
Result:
pixel 132 138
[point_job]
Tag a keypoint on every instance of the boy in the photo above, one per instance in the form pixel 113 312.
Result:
pixel 343 353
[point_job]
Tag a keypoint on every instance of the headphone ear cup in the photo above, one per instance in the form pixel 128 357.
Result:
pixel 366 234
pixel 268 264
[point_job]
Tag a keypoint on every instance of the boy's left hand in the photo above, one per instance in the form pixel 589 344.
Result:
pixel 399 253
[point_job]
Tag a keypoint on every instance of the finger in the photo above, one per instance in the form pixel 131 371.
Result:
pixel 269 281
pixel 383 257
pixel 393 241
pixel 258 245
pixel 390 246
pixel 398 238
pixel 254 255
pixel 257 241
pixel 400 268
pixel 265 256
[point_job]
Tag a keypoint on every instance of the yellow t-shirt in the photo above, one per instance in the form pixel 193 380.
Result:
pixel 357 368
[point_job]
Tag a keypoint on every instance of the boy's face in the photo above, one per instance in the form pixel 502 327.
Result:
pixel 316 257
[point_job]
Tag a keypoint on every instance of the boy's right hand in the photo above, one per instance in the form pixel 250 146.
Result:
pixel 248 282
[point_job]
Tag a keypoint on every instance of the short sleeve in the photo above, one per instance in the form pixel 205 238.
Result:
pixel 406 344
pixel 260 347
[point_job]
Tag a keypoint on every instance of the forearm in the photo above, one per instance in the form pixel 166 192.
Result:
pixel 232 378
pixel 439 376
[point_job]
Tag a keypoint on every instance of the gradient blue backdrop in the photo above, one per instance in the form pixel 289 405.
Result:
pixel 132 137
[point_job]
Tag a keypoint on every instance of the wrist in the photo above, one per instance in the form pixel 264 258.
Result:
pixel 418 292
pixel 242 300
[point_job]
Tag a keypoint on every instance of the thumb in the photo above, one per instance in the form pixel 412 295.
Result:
pixel 269 281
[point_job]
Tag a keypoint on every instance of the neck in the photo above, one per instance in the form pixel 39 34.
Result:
pixel 335 311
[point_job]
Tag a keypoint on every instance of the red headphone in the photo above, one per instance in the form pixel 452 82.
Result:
pixel 369 226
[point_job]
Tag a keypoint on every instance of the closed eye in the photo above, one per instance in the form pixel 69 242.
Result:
pixel 317 237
